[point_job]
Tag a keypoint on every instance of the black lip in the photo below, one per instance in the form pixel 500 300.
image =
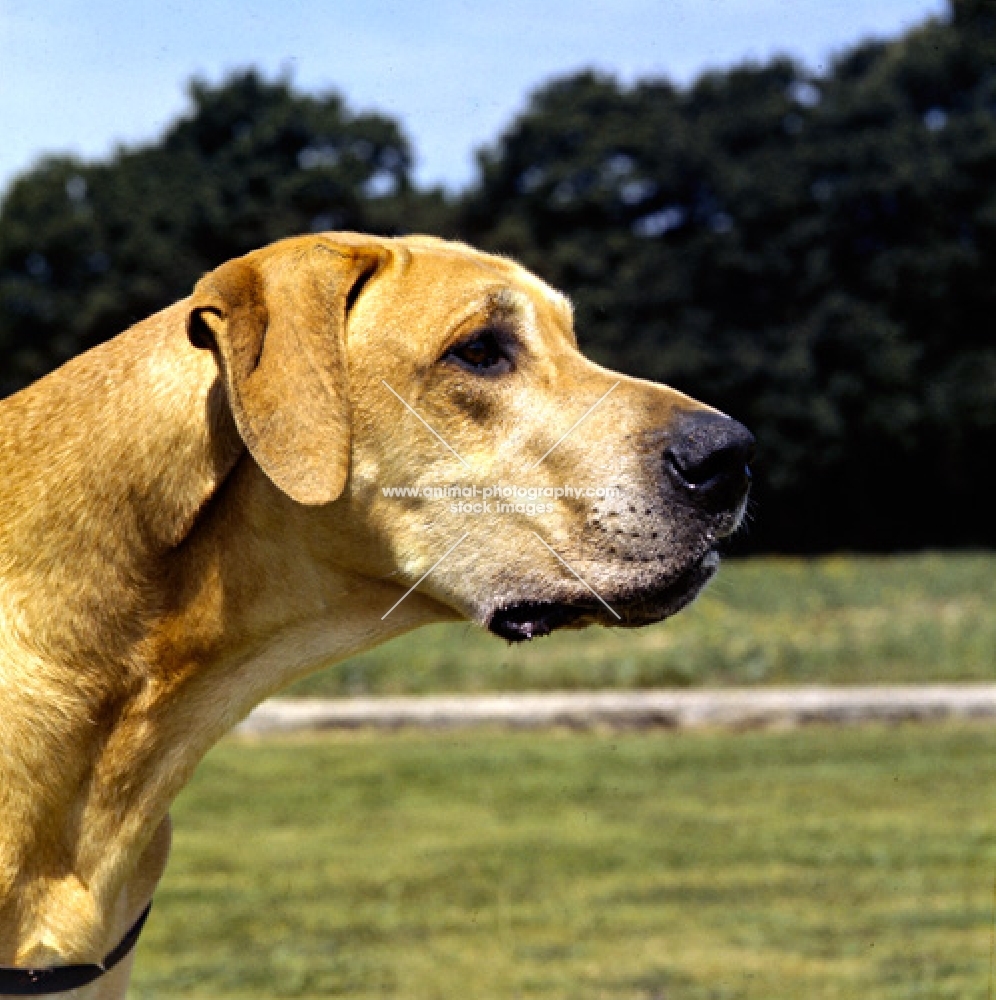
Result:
pixel 533 619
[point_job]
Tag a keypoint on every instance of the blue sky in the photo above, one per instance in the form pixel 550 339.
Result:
pixel 82 76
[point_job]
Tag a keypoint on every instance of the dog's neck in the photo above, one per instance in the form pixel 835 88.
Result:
pixel 136 628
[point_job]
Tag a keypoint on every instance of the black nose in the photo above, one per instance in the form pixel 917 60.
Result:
pixel 708 460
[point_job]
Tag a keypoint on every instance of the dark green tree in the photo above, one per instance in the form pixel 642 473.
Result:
pixel 86 249
pixel 814 254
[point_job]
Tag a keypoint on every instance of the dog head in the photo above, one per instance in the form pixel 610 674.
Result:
pixel 431 403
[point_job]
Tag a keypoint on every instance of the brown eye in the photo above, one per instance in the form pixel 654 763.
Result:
pixel 482 353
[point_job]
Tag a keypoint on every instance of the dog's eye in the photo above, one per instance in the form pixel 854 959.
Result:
pixel 482 353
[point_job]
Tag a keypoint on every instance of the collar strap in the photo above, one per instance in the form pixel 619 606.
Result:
pixel 59 978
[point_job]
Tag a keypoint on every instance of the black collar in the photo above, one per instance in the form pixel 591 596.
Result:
pixel 38 982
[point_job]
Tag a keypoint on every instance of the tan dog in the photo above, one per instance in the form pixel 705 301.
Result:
pixel 194 514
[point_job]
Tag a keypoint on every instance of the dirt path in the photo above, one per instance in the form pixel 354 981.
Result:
pixel 731 708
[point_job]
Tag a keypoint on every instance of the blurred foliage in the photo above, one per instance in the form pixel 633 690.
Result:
pixel 88 249
pixel 814 254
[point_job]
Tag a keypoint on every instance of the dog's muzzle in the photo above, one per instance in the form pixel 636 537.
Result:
pixel 706 469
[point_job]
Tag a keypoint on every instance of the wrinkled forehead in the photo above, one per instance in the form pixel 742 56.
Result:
pixel 440 287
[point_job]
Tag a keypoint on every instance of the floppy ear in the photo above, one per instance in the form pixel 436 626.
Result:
pixel 277 321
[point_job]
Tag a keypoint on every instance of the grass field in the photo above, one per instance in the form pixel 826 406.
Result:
pixel 836 620
pixel 823 863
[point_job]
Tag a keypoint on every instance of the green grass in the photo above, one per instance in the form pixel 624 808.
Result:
pixel 816 864
pixel 836 620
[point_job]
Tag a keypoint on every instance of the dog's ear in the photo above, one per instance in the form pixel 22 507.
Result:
pixel 277 322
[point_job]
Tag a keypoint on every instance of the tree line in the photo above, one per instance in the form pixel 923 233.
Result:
pixel 814 253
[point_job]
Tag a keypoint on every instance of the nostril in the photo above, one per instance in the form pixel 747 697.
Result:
pixel 725 462
pixel 708 459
